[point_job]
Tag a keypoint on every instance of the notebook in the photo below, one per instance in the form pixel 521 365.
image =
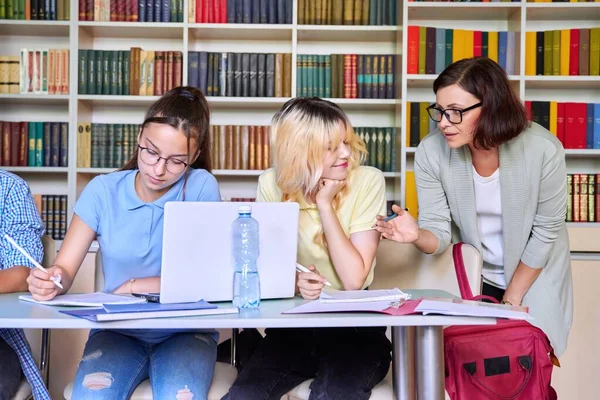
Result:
pixel 148 310
pixel 86 299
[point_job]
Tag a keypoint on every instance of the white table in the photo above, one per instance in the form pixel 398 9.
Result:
pixel 411 334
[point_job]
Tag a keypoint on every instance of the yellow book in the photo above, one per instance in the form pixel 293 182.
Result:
pixel 407 130
pixel 556 52
pixel 424 120
pixel 530 53
pixel 595 51
pixel 422 48
pixel 150 73
pixel 493 46
pixel 80 144
pixel 469 45
pixel 143 72
pixel 553 117
pixel 565 47
pixel 458 44
pixel 411 202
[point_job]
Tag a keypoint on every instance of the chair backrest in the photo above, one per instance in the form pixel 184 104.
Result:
pixel 405 267
pixel 98 273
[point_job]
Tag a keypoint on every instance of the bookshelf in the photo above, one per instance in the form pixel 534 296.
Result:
pixel 297 39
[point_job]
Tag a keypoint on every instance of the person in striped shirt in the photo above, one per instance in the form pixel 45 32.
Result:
pixel 20 220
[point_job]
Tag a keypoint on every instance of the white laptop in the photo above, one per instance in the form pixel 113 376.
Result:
pixel 197 261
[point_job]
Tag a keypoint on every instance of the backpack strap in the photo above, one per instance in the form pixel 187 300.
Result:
pixel 461 276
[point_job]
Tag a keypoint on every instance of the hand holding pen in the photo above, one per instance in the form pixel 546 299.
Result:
pixel 400 226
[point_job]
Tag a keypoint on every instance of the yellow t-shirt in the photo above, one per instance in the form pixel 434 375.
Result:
pixel 364 201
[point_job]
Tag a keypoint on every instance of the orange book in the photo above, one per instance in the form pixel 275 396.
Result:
pixel 469 39
pixel 565 47
pixel 530 53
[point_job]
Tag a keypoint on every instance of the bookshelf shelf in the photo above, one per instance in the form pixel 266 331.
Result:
pixel 115 100
pixel 562 82
pixel 468 11
pixel 95 171
pixel 34 28
pixel 367 104
pixel 557 11
pixel 250 102
pixel 145 30
pixel 241 31
pixel 34 99
pixel 583 224
pixel 582 152
pixel 348 33
pixel 38 170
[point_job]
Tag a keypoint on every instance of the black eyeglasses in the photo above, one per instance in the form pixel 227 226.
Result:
pixel 453 115
pixel 151 157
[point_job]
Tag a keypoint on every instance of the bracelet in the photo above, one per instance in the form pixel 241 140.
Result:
pixel 131 285
pixel 507 302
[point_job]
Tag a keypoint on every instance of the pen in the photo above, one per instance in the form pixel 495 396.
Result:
pixel 302 268
pixel 37 264
pixel 390 217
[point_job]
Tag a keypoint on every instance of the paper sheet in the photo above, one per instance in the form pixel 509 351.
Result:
pixel 86 299
pixel 358 296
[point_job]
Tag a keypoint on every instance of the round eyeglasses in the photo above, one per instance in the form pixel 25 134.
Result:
pixel 151 157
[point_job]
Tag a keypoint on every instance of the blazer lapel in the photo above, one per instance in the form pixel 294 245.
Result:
pixel 461 166
pixel 514 192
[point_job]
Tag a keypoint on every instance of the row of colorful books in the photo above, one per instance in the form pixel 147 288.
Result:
pixel 53 210
pixel 34 144
pixel 240 11
pixel 129 72
pixel 37 10
pixel 241 74
pixel 349 76
pixel 563 52
pixel 577 125
pixel 35 71
pixel 131 10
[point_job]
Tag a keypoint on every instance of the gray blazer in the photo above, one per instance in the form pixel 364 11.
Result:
pixel 533 181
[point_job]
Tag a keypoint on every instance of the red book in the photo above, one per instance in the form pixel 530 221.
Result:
pixel 575 125
pixel 222 11
pixel 574 53
pixel 477 43
pixel 528 110
pixel 413 50
pixel 200 7
pixel 560 123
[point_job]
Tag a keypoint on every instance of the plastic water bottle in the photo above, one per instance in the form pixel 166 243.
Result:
pixel 246 283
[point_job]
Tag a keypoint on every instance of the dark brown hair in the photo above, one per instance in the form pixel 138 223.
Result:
pixel 184 108
pixel 503 116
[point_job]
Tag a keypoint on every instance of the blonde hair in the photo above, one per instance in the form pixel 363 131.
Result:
pixel 301 133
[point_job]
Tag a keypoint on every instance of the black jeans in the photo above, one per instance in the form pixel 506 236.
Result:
pixel 346 363
pixel 492 291
pixel 10 371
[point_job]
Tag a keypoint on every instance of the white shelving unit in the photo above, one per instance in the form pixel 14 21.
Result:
pixel 295 39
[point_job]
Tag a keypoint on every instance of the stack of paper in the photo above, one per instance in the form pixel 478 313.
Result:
pixel 471 309
pixel 360 296
pixel 353 301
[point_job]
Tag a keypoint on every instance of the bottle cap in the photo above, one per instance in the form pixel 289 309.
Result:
pixel 245 209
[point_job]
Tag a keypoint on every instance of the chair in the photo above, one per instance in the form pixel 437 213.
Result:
pixel 223 377
pixel 404 266
pixel 39 338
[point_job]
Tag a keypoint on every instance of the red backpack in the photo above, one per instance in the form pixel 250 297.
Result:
pixel 510 360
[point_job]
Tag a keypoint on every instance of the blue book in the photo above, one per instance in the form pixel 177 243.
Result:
pixel 148 310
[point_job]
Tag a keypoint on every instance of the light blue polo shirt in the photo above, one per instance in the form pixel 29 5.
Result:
pixel 130 232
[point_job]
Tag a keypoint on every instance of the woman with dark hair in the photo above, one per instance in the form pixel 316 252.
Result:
pixel 490 178
pixel 124 210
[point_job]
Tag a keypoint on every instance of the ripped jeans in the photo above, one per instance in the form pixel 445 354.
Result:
pixel 113 365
